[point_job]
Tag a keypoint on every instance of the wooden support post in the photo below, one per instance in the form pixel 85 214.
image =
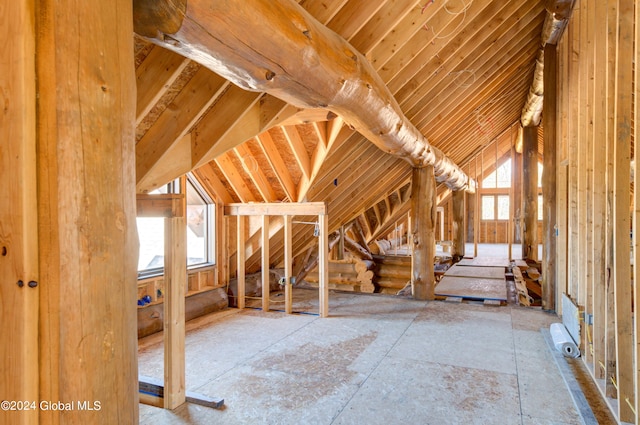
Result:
pixel 621 170
pixel 510 229
pixel 458 203
pixel 636 222
pixel 477 212
pixel 240 257
pixel 323 264
pixel 288 260
pixel 86 206
pixel 175 282
pixel 266 286
pixel 530 194
pixel 18 212
pixel 549 179
pixel 423 215
pixel 599 205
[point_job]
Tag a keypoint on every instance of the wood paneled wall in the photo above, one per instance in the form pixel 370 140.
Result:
pixel 595 117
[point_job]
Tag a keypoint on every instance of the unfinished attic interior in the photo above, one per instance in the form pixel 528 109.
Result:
pixel 319 211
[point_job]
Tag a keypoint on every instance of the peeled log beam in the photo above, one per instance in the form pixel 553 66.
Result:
pixel 356 250
pixel 315 256
pixel 280 49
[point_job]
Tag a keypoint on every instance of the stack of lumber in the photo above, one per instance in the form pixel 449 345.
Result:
pixel 347 275
pixel 521 287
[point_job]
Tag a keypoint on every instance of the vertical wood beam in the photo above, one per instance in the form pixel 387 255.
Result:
pixel 458 209
pixel 549 178
pixel 288 260
pixel 423 218
pixel 636 220
pixel 530 193
pixel 478 210
pixel 86 209
pixel 240 257
pixel 18 211
pixel 266 287
pixel 621 170
pixel 323 264
pixel 599 204
pixel 510 229
pixel 610 326
pixel 175 282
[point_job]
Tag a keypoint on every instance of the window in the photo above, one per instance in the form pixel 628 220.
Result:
pixel 492 204
pixel 488 208
pixel 540 168
pixel 539 207
pixel 503 207
pixel 499 178
pixel 200 214
pixel 200 228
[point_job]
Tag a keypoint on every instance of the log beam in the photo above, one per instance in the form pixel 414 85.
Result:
pixel 549 180
pixel 423 221
pixel 530 194
pixel 217 36
pixel 86 210
pixel 459 204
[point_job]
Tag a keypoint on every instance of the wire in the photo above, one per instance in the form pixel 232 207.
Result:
pixel 463 12
pixel 466 6
pixel 459 73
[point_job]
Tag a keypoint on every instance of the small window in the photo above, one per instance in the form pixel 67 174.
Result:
pixel 488 208
pixel 503 207
pixel 200 221
pixel 540 207
pixel 540 168
pixel 500 178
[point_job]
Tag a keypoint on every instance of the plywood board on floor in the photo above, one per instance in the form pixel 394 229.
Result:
pixel 484 262
pixel 472 288
pixel 475 271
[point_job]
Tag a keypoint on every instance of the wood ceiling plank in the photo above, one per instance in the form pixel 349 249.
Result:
pixel 516 53
pixel 408 30
pixel 154 76
pixel 511 62
pixel 255 174
pixel 298 149
pixel 171 165
pixel 353 16
pixel 277 164
pixel 229 122
pixel 323 10
pixel 212 184
pixel 436 60
pixel 232 174
pixel 194 99
pixel 383 22
pixel 413 56
pixel 472 57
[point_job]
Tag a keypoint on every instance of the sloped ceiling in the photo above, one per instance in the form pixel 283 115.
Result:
pixel 460 70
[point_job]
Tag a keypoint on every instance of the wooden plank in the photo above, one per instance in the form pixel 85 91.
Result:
pixel 151 392
pixel 192 101
pixel 266 288
pixel 323 264
pixel 240 258
pixel 160 205
pixel 277 208
pixel 255 173
pixel 530 194
pixel 86 207
pixel 175 275
pixel 19 211
pixel 288 261
pixel 423 190
pixel 154 76
pixel 621 170
pixel 299 151
pixel 234 177
pixel 278 165
pixel 549 179
pixel 232 114
pixel 599 205
pixel 636 220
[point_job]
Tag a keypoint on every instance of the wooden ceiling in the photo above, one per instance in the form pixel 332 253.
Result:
pixel 460 70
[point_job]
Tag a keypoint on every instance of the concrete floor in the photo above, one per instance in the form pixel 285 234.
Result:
pixel 376 360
